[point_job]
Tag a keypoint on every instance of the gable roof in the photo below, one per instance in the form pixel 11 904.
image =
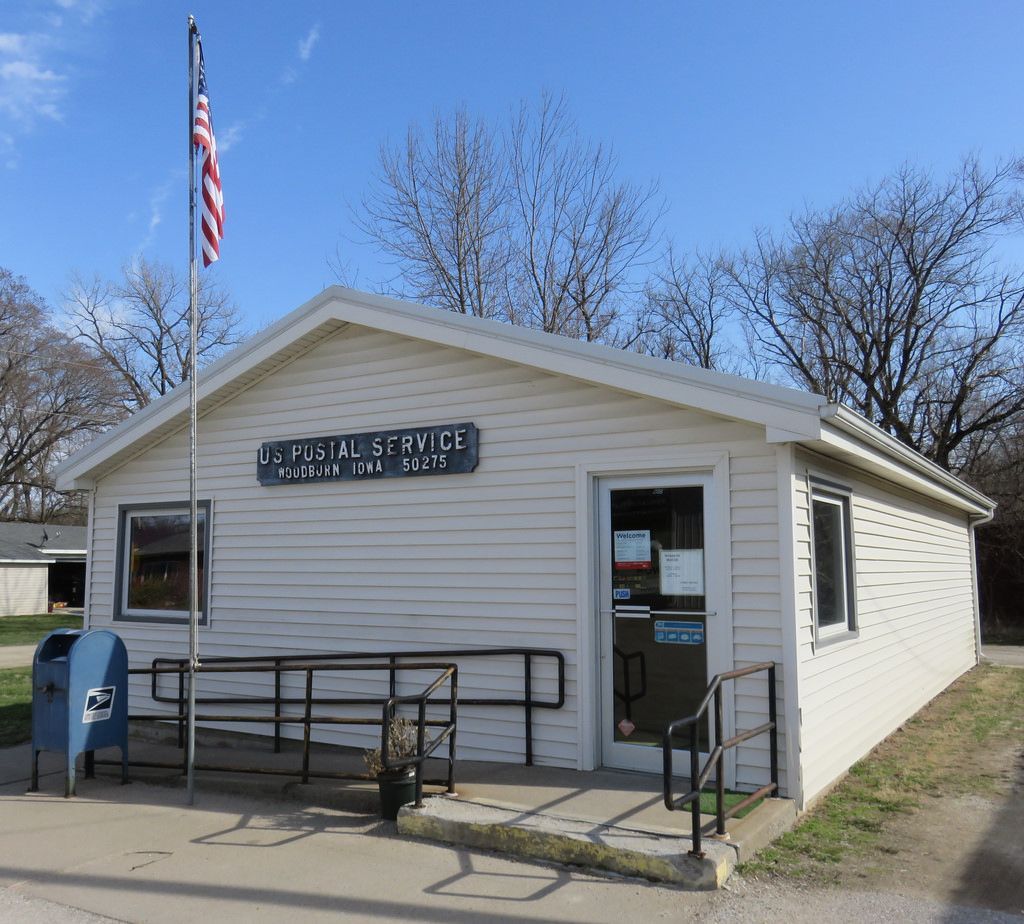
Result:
pixel 40 542
pixel 788 414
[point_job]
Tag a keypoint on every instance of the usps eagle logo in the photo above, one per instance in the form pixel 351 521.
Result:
pixel 99 702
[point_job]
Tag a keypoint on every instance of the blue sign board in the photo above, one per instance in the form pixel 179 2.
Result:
pixel 669 632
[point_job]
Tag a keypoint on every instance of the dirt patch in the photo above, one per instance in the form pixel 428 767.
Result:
pixel 936 810
pixel 966 848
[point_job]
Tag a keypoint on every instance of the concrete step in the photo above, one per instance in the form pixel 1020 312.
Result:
pixel 630 852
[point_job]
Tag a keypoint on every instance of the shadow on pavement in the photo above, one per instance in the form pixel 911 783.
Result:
pixel 289 900
pixel 993 876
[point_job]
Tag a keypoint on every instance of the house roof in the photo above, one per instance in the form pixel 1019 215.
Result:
pixel 40 543
pixel 787 414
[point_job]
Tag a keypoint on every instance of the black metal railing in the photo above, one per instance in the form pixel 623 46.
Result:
pixel 425 747
pixel 528 702
pixel 699 776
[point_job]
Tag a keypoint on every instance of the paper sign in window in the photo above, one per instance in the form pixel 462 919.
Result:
pixel 682 572
pixel 633 549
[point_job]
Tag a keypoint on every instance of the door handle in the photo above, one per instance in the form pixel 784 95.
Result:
pixel 683 613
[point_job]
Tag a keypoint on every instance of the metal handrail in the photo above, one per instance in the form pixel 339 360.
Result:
pixel 398 659
pixel 423 749
pixel 448 674
pixel 699 776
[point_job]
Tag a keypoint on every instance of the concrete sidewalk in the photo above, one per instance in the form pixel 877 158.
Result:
pixel 603 819
pixel 16 656
pixel 137 853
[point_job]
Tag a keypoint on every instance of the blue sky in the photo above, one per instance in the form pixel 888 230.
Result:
pixel 741 111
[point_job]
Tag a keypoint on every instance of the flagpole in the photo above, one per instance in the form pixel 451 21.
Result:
pixel 193 286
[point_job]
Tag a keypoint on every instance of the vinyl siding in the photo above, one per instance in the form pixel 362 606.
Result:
pixel 23 589
pixel 481 559
pixel 756 607
pixel 915 621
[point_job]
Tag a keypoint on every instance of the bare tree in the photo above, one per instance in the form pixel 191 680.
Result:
pixel 139 327
pixel 690 311
pixel 528 225
pixel 893 304
pixel 999 472
pixel 438 208
pixel 577 232
pixel 54 393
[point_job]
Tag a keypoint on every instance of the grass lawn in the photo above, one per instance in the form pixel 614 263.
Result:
pixel 15 706
pixel 933 754
pixel 707 800
pixel 16 683
pixel 29 630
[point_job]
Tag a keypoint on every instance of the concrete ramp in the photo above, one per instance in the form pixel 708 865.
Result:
pixel 627 851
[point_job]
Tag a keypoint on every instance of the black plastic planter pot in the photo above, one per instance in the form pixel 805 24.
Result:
pixel 396 791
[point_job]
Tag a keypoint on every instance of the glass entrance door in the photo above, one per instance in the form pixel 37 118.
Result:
pixel 654 613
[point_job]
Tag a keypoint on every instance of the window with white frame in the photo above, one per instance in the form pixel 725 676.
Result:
pixel 832 549
pixel 153 562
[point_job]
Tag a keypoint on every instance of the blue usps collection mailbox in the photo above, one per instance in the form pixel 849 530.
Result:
pixel 79 699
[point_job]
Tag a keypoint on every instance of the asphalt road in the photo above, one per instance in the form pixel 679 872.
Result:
pixel 1006 655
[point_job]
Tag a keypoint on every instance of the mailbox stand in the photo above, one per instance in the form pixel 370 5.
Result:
pixel 79 699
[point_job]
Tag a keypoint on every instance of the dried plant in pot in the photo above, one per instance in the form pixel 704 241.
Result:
pixel 397 786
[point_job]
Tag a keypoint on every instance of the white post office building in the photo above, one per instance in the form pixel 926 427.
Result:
pixel 376 475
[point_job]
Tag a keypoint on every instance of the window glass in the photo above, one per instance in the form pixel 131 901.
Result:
pixel 829 527
pixel 157 546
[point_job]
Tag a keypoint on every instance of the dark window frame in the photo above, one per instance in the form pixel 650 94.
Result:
pixel 174 617
pixel 842 497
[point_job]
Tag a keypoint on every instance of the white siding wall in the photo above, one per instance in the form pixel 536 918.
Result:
pixel 756 608
pixel 914 612
pixel 23 589
pixel 485 559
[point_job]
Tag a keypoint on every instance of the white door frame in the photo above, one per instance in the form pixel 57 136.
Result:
pixel 719 585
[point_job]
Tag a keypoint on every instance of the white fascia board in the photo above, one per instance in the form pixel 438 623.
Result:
pixel 784 409
pixel 866 446
pixel 27 562
pixel 75 471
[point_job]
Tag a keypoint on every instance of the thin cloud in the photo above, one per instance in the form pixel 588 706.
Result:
pixel 85 9
pixel 34 71
pixel 157 201
pixel 307 44
pixel 29 88
pixel 229 137
pixel 305 47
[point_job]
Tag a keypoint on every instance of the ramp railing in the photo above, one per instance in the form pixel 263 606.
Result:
pixel 443 729
pixel 396 661
pixel 698 775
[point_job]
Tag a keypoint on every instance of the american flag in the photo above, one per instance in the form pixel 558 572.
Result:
pixel 213 196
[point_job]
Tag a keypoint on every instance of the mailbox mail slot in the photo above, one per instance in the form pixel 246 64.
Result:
pixel 79 698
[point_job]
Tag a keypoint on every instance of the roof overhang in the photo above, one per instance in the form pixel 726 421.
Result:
pixel 787 414
pixel 851 438
pixel 784 410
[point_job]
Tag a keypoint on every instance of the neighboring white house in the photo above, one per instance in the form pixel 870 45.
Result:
pixel 378 475
pixel 40 563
